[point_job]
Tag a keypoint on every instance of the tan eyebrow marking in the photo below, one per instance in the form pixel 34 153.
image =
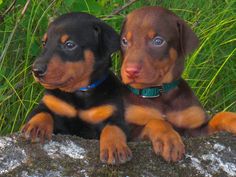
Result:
pixel 152 34
pixel 129 35
pixel 45 37
pixel 64 38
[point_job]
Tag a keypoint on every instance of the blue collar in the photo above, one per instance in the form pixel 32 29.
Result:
pixel 93 85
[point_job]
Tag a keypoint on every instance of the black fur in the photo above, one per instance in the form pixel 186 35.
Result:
pixel 90 33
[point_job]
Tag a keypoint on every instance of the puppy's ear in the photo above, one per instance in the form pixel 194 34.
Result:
pixel 108 38
pixel 188 40
pixel 123 26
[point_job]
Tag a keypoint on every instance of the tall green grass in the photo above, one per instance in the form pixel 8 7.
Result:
pixel 210 70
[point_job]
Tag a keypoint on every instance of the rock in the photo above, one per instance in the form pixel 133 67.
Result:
pixel 73 156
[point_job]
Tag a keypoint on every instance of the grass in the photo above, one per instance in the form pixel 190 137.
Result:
pixel 210 70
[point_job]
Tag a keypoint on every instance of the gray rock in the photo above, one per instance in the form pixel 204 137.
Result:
pixel 72 156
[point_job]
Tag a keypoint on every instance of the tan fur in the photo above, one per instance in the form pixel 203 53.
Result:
pixel 97 114
pixel 189 118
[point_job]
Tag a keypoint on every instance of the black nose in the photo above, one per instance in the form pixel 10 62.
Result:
pixel 39 70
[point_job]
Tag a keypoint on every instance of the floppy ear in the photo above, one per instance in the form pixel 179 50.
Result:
pixel 108 38
pixel 123 26
pixel 188 40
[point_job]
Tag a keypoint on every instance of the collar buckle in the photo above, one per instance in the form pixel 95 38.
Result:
pixel 161 89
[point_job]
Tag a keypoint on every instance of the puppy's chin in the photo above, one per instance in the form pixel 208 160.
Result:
pixel 136 83
pixel 141 83
pixel 55 84
pixel 66 83
pixel 51 85
pixel 48 87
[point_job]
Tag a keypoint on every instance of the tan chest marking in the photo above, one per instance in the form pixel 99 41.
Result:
pixel 191 117
pixel 141 115
pixel 59 106
pixel 97 114
pixel 93 115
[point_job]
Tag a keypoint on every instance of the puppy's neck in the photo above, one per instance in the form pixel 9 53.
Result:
pixel 94 84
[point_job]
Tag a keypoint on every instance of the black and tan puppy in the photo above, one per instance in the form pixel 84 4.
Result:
pixel 154 43
pixel 82 96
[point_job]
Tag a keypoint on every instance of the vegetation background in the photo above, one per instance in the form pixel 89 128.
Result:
pixel 211 70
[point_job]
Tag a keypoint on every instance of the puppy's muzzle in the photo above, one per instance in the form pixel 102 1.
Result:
pixel 39 69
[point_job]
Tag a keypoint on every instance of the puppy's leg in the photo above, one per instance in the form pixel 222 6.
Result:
pixel 113 146
pixel 189 118
pixel 39 126
pixel 194 121
pixel 165 140
pixel 223 121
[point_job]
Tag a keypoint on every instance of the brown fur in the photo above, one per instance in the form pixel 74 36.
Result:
pixel 140 115
pixel 164 138
pixel 188 118
pixel 68 76
pixel 147 64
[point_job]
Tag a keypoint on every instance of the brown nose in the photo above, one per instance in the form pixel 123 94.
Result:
pixel 133 71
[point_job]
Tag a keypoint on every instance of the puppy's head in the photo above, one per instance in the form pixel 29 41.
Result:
pixel 154 42
pixel 76 51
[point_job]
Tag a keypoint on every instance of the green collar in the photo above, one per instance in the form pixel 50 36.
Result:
pixel 153 92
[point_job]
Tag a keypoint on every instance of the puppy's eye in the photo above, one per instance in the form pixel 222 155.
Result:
pixel 158 41
pixel 70 45
pixel 124 42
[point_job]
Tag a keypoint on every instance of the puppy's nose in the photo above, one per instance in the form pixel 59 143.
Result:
pixel 133 72
pixel 39 70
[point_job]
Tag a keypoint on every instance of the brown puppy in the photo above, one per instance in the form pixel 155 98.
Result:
pixel 154 43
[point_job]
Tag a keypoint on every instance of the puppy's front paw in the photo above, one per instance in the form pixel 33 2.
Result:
pixel 115 153
pixel 169 145
pixel 39 128
pixel 165 140
pixel 113 147
pixel 223 121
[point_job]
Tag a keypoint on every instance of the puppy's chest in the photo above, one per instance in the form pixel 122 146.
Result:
pixel 71 107
pixel 149 103
pixel 141 110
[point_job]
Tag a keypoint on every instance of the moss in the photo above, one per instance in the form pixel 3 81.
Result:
pixel 144 162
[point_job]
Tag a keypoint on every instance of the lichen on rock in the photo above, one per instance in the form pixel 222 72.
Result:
pixel 72 156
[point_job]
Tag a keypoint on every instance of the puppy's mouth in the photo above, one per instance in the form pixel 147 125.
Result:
pixel 132 81
pixel 147 79
pixel 57 84
pixel 141 83
pixel 137 84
